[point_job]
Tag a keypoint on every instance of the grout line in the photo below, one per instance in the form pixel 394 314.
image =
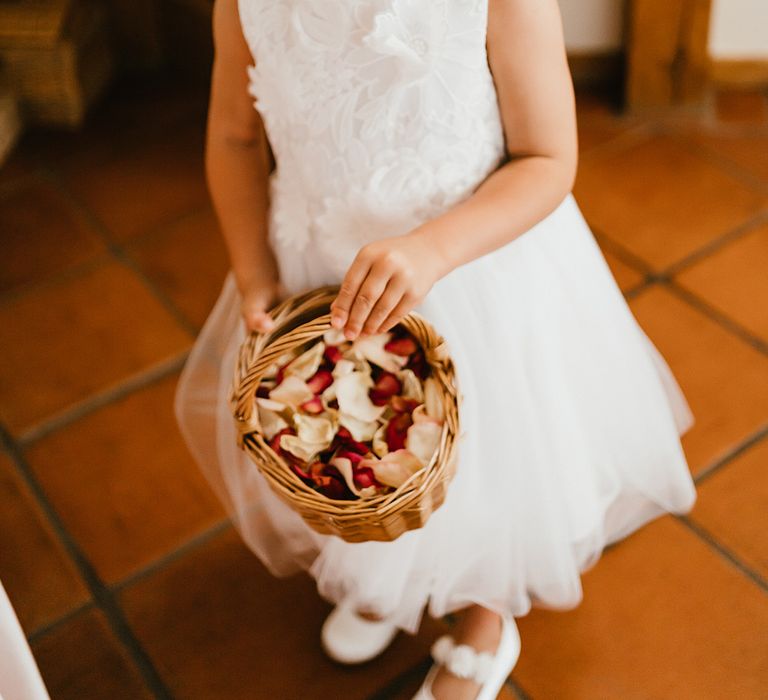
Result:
pixel 718 317
pixel 629 136
pixel 731 455
pixel 713 246
pixel 715 159
pixel 118 253
pixel 100 594
pixel 104 397
pixel 50 626
pixel 709 539
pixel 165 560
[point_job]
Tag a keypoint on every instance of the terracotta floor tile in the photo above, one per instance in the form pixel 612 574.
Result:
pixel 124 483
pixel 188 261
pixel 64 341
pixel 733 503
pixel 748 151
pixel 660 201
pixel 218 625
pixel 152 184
pixel 663 616
pixel 82 660
pixel 724 379
pixel 734 280
pixel 742 107
pixel 42 234
pixel 41 581
pixel 599 119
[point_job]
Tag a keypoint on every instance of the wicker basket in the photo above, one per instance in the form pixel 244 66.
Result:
pixel 385 517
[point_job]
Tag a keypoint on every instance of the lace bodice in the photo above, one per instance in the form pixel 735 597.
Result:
pixel 381 114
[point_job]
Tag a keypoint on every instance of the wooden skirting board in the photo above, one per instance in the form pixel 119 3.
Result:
pixel 746 73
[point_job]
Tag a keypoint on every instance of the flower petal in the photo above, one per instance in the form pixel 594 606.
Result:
pixel 299 448
pixel 271 421
pixel 334 336
pixel 412 387
pixel 292 391
pixel 423 440
pixel 361 430
pixel 397 430
pixel 380 441
pixel 394 469
pixel 433 399
pixel 315 429
pixel 386 385
pixel 320 381
pixel 352 394
pixel 401 346
pixel 372 349
pixel 345 469
pixel 306 364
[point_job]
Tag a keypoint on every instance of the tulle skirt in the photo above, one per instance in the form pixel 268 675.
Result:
pixel 571 422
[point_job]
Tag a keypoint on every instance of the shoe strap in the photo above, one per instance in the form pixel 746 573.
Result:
pixel 462 660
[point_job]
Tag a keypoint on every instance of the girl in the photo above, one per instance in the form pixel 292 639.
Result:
pixel 422 154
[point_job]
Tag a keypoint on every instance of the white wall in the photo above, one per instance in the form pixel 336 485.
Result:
pixel 739 27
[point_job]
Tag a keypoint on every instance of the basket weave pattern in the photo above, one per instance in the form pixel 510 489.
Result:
pixel 298 320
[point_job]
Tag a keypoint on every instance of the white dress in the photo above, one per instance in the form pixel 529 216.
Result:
pixel 382 114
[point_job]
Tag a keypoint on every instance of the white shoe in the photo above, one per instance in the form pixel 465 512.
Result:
pixel 489 671
pixel 350 639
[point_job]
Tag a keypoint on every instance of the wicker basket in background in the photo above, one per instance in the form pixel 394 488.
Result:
pixel 300 319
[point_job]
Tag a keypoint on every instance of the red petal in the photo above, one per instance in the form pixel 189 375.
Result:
pixel 332 354
pixel 401 346
pixel 263 391
pixel 364 477
pixel 386 385
pixel 320 381
pixel 403 405
pixel 418 363
pixel 353 457
pixel 297 469
pixel 314 405
pixel 397 430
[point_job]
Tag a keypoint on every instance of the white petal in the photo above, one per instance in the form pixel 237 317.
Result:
pixel 292 391
pixel 271 371
pixel 314 430
pixel 352 394
pixel 394 469
pixel 270 405
pixel 412 388
pixel 334 336
pixel 380 446
pixel 361 430
pixel 296 446
pixel 343 367
pixel 372 348
pixel 271 421
pixel 422 439
pixel 306 364
pixel 433 399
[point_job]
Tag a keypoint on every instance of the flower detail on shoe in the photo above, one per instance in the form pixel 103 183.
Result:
pixel 462 660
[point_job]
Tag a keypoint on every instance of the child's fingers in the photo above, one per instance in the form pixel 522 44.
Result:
pixel 366 298
pixel 386 303
pixel 350 285
pixel 259 321
pixel 397 314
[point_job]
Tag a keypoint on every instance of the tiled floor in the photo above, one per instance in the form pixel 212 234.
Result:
pixel 117 557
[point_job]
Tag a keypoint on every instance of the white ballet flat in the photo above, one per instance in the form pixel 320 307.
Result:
pixel 489 671
pixel 350 639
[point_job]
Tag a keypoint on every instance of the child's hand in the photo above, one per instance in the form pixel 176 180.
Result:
pixel 385 281
pixel 256 302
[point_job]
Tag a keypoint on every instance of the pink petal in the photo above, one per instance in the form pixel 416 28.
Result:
pixel 320 381
pixel 314 405
pixel 401 346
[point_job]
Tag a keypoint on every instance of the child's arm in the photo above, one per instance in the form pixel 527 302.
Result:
pixel 527 57
pixel 237 160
